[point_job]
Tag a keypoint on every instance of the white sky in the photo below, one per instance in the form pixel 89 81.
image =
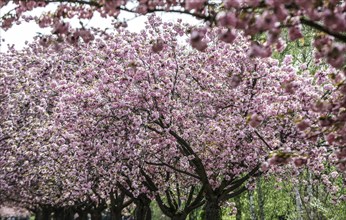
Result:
pixel 19 34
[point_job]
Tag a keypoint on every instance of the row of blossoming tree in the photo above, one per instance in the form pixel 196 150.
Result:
pixel 142 117
pixel 279 21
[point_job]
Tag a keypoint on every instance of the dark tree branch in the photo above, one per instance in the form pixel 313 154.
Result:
pixel 186 12
pixel 238 182
pixel 196 161
pixel 319 27
pixel 236 193
pixel 264 141
pixel 81 2
pixel 178 194
pixel 127 203
pixel 190 196
pixel 173 168
pixel 170 200
pixel 151 185
pixel 197 202
pixel 164 208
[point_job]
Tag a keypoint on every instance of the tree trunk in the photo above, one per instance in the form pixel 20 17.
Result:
pixel 69 216
pixel 43 215
pixel 96 215
pixel 63 214
pixel 116 215
pixel 118 203
pixel 252 206
pixel 82 215
pixel 260 199
pixel 212 210
pixel 142 211
pixel 58 215
pixel 239 207
pixel 179 217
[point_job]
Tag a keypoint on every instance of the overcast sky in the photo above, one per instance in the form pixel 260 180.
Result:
pixel 19 34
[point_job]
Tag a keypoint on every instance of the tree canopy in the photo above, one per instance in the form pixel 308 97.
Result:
pixel 184 116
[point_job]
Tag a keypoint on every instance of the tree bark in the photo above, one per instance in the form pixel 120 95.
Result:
pixel 142 211
pixel 118 203
pixel 58 214
pixel 179 217
pixel 212 210
pixel 69 216
pixel 116 214
pixel 43 215
pixel 96 215
pixel 82 215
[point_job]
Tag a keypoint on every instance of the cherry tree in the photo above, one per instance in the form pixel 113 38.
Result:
pixel 332 113
pixel 274 18
pixel 144 115
pixel 215 118
pixel 44 167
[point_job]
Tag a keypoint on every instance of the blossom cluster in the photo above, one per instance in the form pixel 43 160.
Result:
pixel 253 17
pixel 145 113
